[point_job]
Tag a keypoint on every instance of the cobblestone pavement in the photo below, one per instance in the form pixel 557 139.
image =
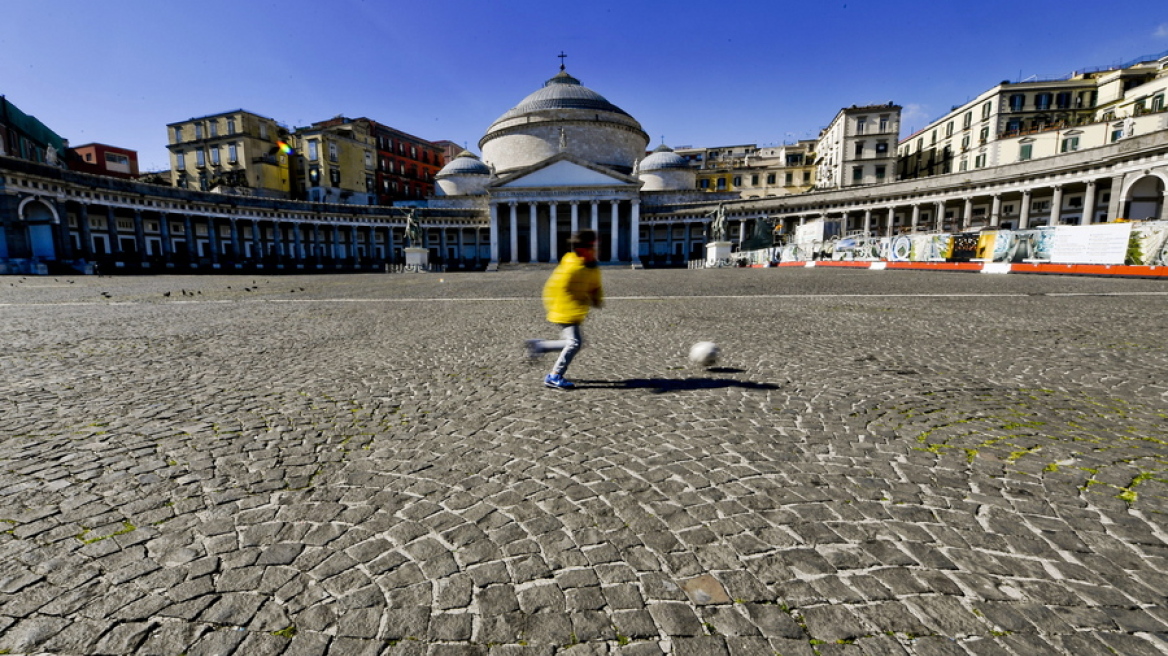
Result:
pixel 882 463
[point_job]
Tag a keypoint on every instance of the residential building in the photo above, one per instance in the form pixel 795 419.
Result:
pixel 858 147
pixel 406 165
pixel 1019 121
pixel 336 162
pixel 102 159
pixel 450 150
pixel 236 152
pixel 23 136
pixel 753 171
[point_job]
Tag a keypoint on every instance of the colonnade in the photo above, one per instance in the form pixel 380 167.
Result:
pixel 535 230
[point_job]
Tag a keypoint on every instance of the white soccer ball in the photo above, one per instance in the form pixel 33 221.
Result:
pixel 704 354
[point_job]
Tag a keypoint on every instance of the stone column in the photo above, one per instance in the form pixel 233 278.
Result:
pixel 278 241
pixel 552 228
pixel 86 237
pixel 635 231
pixel 867 222
pixel 514 232
pixel 575 216
pixel 615 228
pixel 966 215
pixel 596 218
pixel 916 218
pixel 236 246
pixel 111 227
pixel 140 235
pixel 891 221
pixel 533 238
pixel 1115 207
pixel 742 230
pixel 257 242
pixel 442 243
pixel 1024 218
pixel 1089 205
pixel 354 254
pixel 996 211
pixel 1164 206
pixel 459 244
pixel 213 241
pixel 494 233
pixel 940 215
pixel 297 244
pixel 167 245
pixel 189 235
pixel 1056 206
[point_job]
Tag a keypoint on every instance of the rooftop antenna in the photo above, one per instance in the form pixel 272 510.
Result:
pixel 561 56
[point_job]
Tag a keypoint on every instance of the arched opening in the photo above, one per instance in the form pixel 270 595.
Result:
pixel 1145 199
pixel 31 236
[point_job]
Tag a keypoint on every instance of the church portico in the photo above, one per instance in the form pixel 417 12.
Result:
pixel 534 226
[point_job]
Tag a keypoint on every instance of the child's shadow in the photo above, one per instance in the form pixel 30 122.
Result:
pixel 662 385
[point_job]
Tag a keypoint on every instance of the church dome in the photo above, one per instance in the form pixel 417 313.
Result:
pixel 663 157
pixel 665 170
pixel 564 116
pixel 464 175
pixel 467 163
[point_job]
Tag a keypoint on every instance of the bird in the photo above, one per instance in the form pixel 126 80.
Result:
pixel 167 294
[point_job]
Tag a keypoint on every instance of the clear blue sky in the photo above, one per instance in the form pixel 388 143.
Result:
pixel 696 73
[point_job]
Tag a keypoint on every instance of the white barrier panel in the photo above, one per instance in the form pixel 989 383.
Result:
pixel 996 267
pixel 1104 243
pixel 878 266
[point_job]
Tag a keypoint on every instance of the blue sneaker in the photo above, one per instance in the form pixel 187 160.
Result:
pixel 557 381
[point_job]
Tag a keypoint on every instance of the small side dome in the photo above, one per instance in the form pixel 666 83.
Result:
pixel 663 158
pixel 467 163
pixel 665 170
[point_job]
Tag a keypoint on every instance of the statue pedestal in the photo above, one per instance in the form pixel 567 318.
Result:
pixel 417 259
pixel 718 254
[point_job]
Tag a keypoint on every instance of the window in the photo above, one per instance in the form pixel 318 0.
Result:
pixel 1158 103
pixel 964 166
pixel 215 156
pixel 214 128
pixel 881 147
pixel 1025 152
pixel 884 123
pixel 737 181
pixel 968 120
pixel 413 152
pixel 231 126
pixel 1014 126
pixel 949 129
pixel 368 160
pixel 861 124
pixel 771 178
pixel 704 183
pixel 89 157
pixel 332 151
pixel 979 162
pixel 721 183
pixel 986 110
pixel 1042 102
pixel 984 135
pixel 881 171
pixel 263 131
pixel 857 174
pixel 859 149
pixel 180 161
pixel 754 180
pixel 807 177
pixel 314 176
pixel 1062 100
pixel 1017 102
pixel 1117 133
pixel 313 153
pixel 200 158
pixel 790 179
pixel 178 134
pixel 334 176
pixel 232 153
pixel 198 130
pixel 1070 145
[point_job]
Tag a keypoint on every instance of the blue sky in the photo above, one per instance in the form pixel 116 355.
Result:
pixel 693 73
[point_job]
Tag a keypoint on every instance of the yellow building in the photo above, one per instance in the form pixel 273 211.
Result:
pixel 753 171
pixel 234 152
pixel 336 162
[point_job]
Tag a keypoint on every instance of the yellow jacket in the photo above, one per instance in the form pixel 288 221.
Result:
pixel 572 290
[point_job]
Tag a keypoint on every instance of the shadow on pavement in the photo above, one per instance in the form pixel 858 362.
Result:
pixel 662 385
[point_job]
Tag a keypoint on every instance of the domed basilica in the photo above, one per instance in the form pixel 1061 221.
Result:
pixel 564 158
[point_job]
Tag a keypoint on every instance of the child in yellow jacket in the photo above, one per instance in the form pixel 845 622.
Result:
pixel 570 293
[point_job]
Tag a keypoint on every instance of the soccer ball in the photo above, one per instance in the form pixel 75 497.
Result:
pixel 704 354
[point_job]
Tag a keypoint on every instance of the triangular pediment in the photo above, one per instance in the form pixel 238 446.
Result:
pixel 564 171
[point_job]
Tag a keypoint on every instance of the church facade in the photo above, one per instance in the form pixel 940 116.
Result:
pixel 564 159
